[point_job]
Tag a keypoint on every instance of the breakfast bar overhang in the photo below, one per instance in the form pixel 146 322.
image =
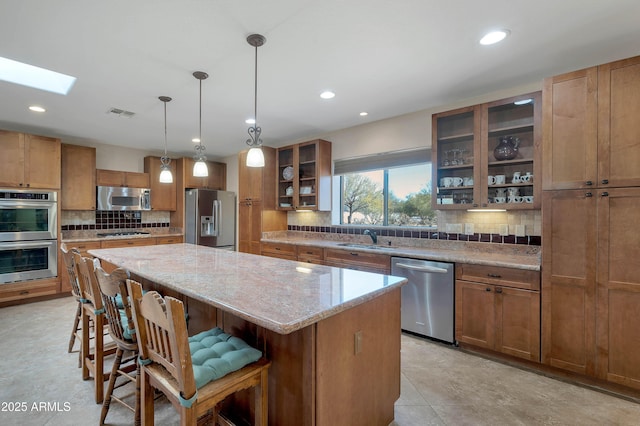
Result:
pixel 332 334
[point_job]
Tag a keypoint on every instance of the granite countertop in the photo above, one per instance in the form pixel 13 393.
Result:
pixel 92 235
pixel 280 295
pixel 503 255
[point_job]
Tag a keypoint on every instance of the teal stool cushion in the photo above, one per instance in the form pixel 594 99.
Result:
pixel 125 325
pixel 215 354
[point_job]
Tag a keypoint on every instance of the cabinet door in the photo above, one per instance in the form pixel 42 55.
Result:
pixel 569 280
pixel 136 180
pixel 249 179
pixel 618 333
pixel 249 226
pixel 518 323
pixel 163 195
pixel 570 130
pixel 475 314
pixel 109 177
pixel 12 149
pixel 456 156
pixel 42 162
pixel 618 124
pixel 78 178
pixel 217 178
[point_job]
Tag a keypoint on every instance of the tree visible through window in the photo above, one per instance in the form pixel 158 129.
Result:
pixel 398 196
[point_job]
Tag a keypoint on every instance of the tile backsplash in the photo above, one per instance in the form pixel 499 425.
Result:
pixel 86 220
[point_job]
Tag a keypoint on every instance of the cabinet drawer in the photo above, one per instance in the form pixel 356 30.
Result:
pixel 85 246
pixel 169 240
pixel 11 292
pixel 133 242
pixel 288 250
pixel 311 253
pixel 500 276
pixel 356 258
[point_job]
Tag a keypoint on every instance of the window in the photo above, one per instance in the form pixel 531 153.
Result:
pixel 393 189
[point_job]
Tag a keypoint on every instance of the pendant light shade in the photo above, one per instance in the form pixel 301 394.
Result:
pixel 255 156
pixel 165 169
pixel 200 168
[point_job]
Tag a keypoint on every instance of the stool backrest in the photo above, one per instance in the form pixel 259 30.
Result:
pixel 67 256
pixel 87 280
pixel 115 298
pixel 162 334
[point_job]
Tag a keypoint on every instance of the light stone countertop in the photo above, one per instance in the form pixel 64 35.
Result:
pixel 491 254
pixel 92 235
pixel 280 295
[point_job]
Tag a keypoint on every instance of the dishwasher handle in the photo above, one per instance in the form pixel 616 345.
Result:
pixel 424 268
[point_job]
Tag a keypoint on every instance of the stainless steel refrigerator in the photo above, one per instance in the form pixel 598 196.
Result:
pixel 211 218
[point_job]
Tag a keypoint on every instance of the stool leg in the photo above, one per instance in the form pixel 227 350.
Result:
pixel 86 336
pixel 74 330
pixel 112 383
pixel 137 420
pixel 146 399
pixel 98 358
pixel 262 399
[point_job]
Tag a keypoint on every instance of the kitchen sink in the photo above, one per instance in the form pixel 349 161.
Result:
pixel 363 246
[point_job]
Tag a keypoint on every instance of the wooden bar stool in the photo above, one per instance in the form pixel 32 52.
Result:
pixel 195 373
pixel 92 360
pixel 77 294
pixel 115 298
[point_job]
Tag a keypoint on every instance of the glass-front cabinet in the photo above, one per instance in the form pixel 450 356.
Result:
pixel 488 155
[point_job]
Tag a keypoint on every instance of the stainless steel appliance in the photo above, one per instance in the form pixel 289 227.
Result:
pixel 123 198
pixel 210 218
pixel 428 297
pixel 28 235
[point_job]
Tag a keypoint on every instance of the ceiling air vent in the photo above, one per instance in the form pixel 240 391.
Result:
pixel 121 113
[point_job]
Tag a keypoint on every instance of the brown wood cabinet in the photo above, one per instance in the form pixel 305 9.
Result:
pixel 170 240
pixel 256 202
pixel 217 178
pixel 30 161
pixel 279 250
pixel 304 176
pixel 359 260
pixel 83 248
pixel 591 127
pixel 120 178
pixel 499 309
pixel 163 195
pixel 13 293
pixel 310 254
pixel 463 150
pixel 78 178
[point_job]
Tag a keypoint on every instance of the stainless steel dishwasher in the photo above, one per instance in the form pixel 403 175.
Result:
pixel 427 299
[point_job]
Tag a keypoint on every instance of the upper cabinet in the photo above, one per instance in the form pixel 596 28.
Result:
pixel 217 178
pixel 488 155
pixel 119 178
pixel 78 178
pixel 163 195
pixel 30 161
pixel 591 127
pixel 304 176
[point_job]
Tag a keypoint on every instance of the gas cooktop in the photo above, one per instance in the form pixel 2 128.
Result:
pixel 120 234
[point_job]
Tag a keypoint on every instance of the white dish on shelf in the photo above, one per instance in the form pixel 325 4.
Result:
pixel 305 190
pixel 287 173
pixel 285 204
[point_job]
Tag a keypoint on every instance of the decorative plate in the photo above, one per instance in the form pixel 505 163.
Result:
pixel 287 173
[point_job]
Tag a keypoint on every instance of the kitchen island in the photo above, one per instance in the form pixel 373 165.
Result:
pixel 332 334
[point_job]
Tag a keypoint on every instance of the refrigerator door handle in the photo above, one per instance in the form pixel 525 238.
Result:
pixel 217 212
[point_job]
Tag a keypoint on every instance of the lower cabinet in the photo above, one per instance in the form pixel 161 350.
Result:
pixel 494 313
pixel 279 250
pixel 358 260
pixel 310 254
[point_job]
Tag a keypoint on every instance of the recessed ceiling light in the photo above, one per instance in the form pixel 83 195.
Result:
pixel 36 108
pixel 363 114
pixel 327 94
pixel 36 77
pixel 250 121
pixel 494 37
pixel 523 101
pixel 195 140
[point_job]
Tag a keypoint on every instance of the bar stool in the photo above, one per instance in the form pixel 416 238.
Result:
pixel 195 373
pixel 77 294
pixel 92 360
pixel 113 289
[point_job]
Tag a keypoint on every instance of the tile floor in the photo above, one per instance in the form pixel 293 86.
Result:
pixel 440 385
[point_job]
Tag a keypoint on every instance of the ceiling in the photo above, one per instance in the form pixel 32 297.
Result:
pixel 386 57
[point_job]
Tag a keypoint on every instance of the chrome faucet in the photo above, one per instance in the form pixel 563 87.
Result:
pixel 372 234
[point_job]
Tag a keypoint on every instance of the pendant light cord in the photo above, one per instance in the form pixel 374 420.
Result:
pixel 255 91
pixel 200 118
pixel 165 129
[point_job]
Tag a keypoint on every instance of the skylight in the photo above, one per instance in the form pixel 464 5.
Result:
pixel 36 77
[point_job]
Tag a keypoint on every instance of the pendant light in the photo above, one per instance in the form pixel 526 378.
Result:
pixel 200 168
pixel 255 156
pixel 165 170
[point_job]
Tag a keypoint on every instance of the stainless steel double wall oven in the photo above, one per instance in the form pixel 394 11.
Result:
pixel 28 235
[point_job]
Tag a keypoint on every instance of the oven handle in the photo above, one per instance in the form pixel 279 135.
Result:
pixel 26 244
pixel 24 203
pixel 429 269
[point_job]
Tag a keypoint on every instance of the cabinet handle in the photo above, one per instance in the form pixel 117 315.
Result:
pixel 353 254
pixel 605 194
pixel 588 183
pixel 499 290
pixel 494 276
pixel 487 289
pixel 605 181
pixel 24 292
pixel 588 194
pixel 277 248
